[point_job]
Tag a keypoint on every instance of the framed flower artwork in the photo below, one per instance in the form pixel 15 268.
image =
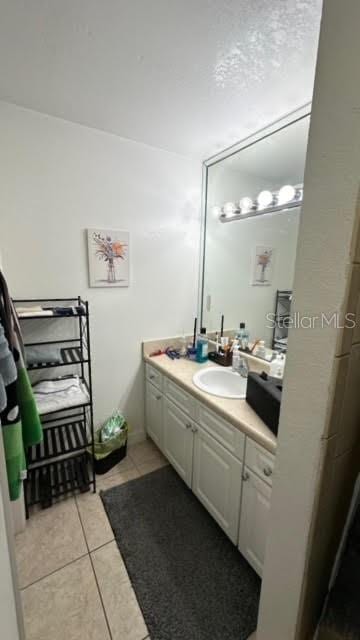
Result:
pixel 263 266
pixel 108 253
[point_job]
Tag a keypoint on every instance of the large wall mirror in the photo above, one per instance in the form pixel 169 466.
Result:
pixel 252 210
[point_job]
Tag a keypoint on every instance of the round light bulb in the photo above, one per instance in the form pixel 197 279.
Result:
pixel 286 194
pixel 216 211
pixel 246 204
pixel 264 199
pixel 229 208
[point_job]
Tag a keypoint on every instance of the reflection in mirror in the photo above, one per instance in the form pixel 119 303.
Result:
pixel 253 208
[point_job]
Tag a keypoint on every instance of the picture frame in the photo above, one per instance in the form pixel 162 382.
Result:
pixel 108 257
pixel 263 266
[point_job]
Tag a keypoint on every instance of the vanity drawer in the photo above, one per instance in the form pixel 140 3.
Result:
pixel 180 397
pixel 259 460
pixel 154 376
pixel 230 437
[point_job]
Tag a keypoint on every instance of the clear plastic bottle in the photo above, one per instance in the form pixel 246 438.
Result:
pixel 236 358
pixel 261 350
pixel 243 336
pixel 202 346
pixel 183 346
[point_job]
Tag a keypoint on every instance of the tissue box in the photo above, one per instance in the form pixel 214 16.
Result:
pixel 263 394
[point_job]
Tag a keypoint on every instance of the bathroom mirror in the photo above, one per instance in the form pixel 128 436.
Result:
pixel 252 206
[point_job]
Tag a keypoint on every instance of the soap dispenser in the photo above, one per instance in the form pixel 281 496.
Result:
pixel 202 346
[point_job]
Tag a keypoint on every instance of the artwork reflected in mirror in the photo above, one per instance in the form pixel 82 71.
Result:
pixel 253 209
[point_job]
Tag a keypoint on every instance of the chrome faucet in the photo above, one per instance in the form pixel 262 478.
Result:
pixel 243 368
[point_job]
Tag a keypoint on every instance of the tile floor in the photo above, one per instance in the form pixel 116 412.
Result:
pixel 73 581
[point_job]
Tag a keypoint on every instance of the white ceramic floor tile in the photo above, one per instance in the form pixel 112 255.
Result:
pixel 94 520
pixel 65 606
pixel 152 465
pixel 107 560
pixel 122 610
pixel 103 482
pixel 143 452
pixel 52 538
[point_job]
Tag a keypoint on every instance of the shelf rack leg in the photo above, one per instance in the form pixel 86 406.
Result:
pixel 91 396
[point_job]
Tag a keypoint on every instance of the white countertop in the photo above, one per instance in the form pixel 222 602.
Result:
pixel 237 412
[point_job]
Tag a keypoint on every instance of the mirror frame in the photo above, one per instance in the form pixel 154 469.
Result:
pixel 283 122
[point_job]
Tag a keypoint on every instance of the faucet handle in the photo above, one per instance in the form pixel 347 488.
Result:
pixel 243 368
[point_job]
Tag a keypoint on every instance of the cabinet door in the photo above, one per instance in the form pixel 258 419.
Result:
pixel 217 482
pixel 154 414
pixel 254 517
pixel 178 440
pixel 259 460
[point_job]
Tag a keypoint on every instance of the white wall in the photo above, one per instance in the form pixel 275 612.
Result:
pixel 7 598
pixel 323 267
pixel 10 605
pixel 57 179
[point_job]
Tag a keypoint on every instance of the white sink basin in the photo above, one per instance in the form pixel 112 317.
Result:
pixel 220 382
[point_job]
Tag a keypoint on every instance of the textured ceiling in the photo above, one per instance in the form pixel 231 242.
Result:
pixel 190 76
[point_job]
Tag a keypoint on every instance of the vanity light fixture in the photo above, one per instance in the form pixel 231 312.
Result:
pixel 230 208
pixel 265 199
pixel 288 197
pixel 246 204
pixel 286 194
pixel 216 211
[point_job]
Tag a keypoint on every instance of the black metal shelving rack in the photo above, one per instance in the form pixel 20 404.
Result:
pixel 59 464
pixel 282 314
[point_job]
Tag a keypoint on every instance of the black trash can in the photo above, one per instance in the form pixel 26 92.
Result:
pixel 109 453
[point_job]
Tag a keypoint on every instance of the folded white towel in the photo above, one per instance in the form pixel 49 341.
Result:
pixel 60 393
pixel 28 314
pixel 34 309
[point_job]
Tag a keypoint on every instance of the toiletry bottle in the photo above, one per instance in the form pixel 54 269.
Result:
pixel 183 346
pixel 244 337
pixel 261 350
pixel 243 367
pixel 236 358
pixel 202 346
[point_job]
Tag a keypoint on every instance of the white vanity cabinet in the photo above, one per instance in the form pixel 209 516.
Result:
pixel 178 440
pixel 255 508
pixel 154 414
pixel 229 473
pixel 255 503
pixel 217 481
pixel 154 376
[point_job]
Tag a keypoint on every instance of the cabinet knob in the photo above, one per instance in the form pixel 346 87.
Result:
pixel 151 376
pixel 188 425
pixel 158 397
pixel 267 471
pixel 194 429
pixel 245 476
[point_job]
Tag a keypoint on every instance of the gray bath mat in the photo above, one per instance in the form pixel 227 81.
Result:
pixel 190 581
